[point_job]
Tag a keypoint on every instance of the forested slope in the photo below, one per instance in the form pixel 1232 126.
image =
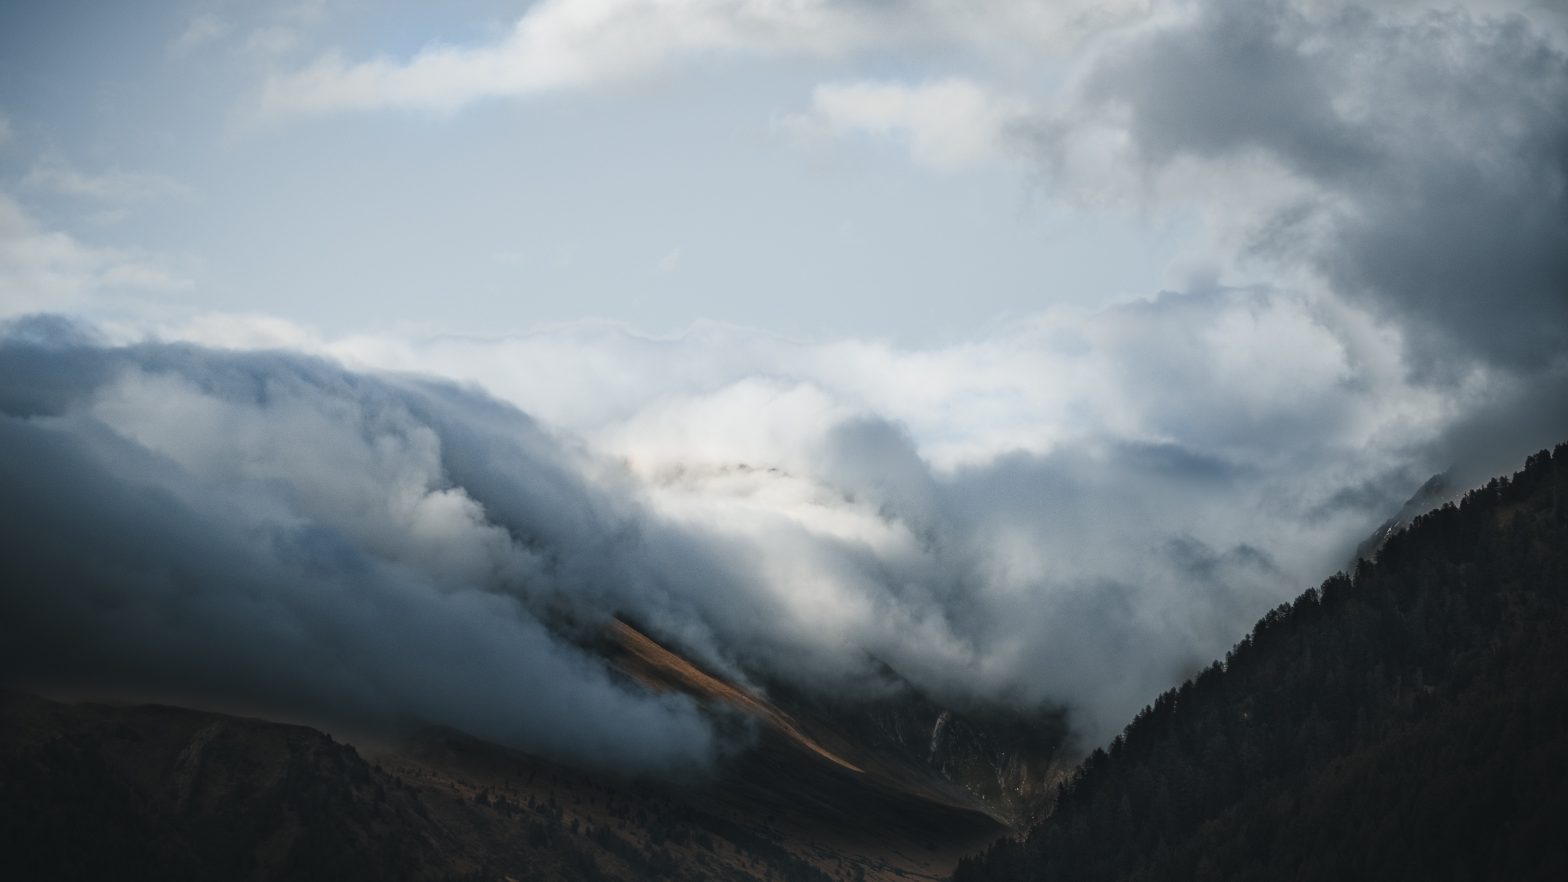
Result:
pixel 1406 721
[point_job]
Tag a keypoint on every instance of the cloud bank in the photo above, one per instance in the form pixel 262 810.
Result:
pixel 1074 512
pixel 271 531
pixel 1077 509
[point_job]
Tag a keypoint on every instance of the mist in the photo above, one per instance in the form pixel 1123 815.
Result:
pixel 1075 514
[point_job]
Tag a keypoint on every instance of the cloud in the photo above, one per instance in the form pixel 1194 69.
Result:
pixel 302 545
pixel 554 45
pixel 49 270
pixel 266 30
pixel 948 124
pixel 1408 159
pixel 114 188
pixel 202 29
pixel 1076 510
pixel 560 45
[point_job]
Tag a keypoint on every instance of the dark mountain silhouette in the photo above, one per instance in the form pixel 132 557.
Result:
pixel 897 788
pixel 1437 490
pixel 1407 721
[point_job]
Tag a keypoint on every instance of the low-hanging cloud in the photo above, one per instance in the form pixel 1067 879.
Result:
pixel 1078 509
pixel 1075 511
pixel 271 531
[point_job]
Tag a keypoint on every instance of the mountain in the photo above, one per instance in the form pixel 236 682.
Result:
pixel 896 788
pixel 1409 720
pixel 1437 490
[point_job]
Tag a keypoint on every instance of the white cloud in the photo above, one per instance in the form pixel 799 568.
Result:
pixel 1154 474
pixel 555 45
pixel 670 262
pixel 243 331
pixel 113 188
pixel 49 270
pixel 563 44
pixel 201 30
pixel 1221 371
pixel 948 124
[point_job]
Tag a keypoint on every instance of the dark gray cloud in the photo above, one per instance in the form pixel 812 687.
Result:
pixel 1428 151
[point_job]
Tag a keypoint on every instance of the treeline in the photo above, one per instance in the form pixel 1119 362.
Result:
pixel 1409 720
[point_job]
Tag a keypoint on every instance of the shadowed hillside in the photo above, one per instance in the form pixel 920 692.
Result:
pixel 1409 721
pixel 972 770
pixel 93 791
pixel 147 791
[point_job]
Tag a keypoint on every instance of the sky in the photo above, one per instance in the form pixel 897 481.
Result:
pixel 717 162
pixel 1027 351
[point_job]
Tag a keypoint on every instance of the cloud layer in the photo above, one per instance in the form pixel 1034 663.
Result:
pixel 1078 509
pixel 1074 512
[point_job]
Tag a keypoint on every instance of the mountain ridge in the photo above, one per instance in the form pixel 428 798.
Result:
pixel 171 792
pixel 1406 720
